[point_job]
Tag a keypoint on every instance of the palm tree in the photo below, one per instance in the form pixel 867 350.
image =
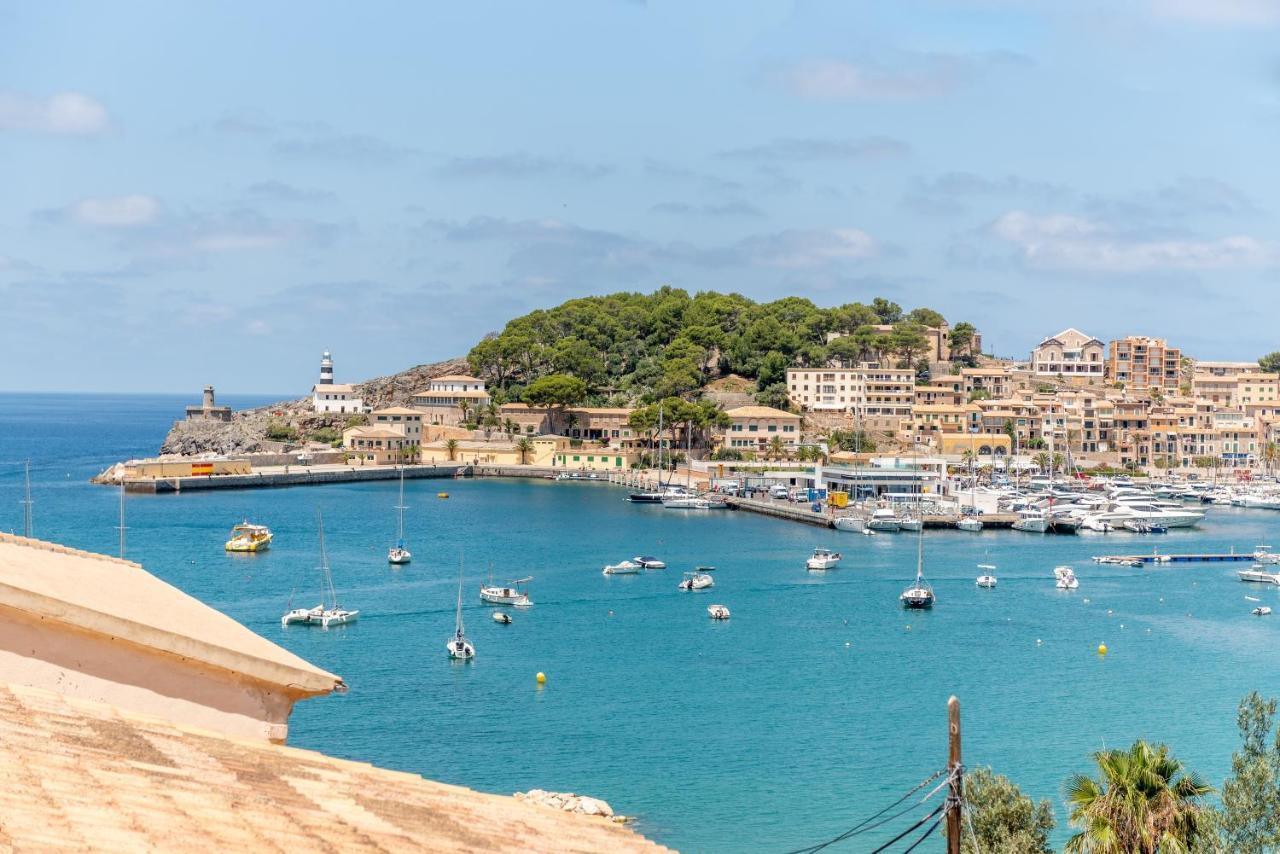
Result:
pixel 1042 460
pixel 1270 453
pixel 525 448
pixel 464 406
pixel 776 449
pixel 1144 802
pixel 511 427
pixel 802 453
pixel 452 447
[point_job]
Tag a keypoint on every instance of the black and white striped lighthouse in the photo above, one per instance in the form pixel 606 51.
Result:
pixel 326 369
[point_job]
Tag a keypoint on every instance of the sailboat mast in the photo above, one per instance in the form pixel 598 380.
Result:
pixel 919 553
pixel 26 504
pixel 458 623
pixel 400 509
pixel 659 446
pixel 121 525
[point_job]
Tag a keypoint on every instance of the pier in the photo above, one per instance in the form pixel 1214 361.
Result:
pixel 1156 557
pixel 293 475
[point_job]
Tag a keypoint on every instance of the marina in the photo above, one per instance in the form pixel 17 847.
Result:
pixel 633 646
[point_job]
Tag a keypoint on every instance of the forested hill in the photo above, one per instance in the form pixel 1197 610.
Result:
pixel 630 347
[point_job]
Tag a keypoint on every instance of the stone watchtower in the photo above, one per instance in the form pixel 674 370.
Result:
pixel 208 410
pixel 326 369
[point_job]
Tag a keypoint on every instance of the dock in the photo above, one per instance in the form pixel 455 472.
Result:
pixel 299 475
pixel 1156 557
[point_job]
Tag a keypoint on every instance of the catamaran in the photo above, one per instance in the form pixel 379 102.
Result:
pixel 249 538
pixel 335 614
pixel 458 646
pixel 398 554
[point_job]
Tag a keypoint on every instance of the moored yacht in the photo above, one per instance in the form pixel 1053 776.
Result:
pixel 496 594
pixel 918 596
pixel 625 567
pixel 459 648
pixel 247 537
pixel 1259 573
pixel 1031 520
pixel 884 519
pixel 971 524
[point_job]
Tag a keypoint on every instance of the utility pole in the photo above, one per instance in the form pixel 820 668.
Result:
pixel 955 793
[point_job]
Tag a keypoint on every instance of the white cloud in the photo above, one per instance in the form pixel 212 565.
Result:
pixel 116 211
pixel 801 249
pixel 1220 12
pixel 67 113
pixel 908 76
pixel 1066 242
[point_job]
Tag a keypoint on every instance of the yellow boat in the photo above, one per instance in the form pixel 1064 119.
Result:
pixel 249 538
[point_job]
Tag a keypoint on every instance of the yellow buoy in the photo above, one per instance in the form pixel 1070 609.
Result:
pixel 542 678
pixel 1102 649
pixel 442 495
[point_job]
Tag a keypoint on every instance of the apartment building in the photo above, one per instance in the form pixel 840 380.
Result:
pixel 752 428
pixel 450 400
pixel 1138 362
pixel 1070 355
pixel 879 397
pixel 575 422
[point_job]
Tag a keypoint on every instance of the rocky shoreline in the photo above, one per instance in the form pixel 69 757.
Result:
pixel 569 802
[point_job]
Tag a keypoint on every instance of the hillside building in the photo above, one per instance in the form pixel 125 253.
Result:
pixel 330 397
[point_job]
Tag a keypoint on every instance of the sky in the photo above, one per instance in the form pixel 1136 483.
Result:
pixel 216 193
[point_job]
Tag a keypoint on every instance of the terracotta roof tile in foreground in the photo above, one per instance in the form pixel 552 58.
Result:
pixel 85 776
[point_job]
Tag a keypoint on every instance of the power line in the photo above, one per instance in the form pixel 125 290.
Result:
pixel 936 810
pixel 867 823
pixel 923 836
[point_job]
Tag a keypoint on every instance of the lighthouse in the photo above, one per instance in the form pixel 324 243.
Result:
pixel 326 369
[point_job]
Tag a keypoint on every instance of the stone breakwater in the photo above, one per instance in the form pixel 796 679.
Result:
pixel 569 802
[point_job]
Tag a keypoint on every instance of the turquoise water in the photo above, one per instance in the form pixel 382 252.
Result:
pixel 816 704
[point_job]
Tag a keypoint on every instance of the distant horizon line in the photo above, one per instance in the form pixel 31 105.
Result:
pixel 195 397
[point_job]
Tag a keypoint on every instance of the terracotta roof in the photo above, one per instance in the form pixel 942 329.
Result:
pixel 759 412
pixel 456 378
pixel 398 410
pixel 373 433
pixel 83 776
pixel 118 599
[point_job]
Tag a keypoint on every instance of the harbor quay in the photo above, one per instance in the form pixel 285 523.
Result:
pixel 285 475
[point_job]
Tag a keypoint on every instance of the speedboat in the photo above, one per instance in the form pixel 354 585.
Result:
pixel 1066 578
pixel 987 579
pixel 1259 573
pixel 822 559
pixel 718 612
pixel 246 537
pixel 625 567
pixel 498 595
pixel 884 519
pixel 1261 611
pixel 696 581
pixel 502 617
pixel 648 562
pixel 972 524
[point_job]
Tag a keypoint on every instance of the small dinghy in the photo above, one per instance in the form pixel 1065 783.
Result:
pixel 718 612
pixel 1262 611
pixel 502 617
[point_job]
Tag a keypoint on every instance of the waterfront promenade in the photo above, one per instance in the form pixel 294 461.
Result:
pixel 292 475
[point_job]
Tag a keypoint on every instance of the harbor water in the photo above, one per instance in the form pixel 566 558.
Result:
pixel 817 703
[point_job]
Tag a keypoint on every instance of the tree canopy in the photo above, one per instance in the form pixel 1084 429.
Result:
pixel 1270 362
pixel 643 347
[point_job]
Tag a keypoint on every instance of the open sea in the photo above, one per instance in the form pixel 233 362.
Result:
pixel 817 704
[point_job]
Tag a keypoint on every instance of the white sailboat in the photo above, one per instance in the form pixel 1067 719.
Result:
pixel 458 646
pixel 920 595
pixel 398 554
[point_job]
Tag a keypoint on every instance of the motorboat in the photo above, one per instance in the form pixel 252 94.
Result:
pixel 332 615
pixel 919 596
pixel 502 617
pixel 648 562
pixel 1096 523
pixel 247 537
pixel 718 612
pixel 459 648
pixel 823 559
pixel 988 578
pixel 496 594
pixel 704 569
pixel 1261 611
pixel 696 581
pixel 884 519
pixel 910 523
pixel 695 502
pixel 1066 578
pixel 398 554
pixel 972 524
pixel 1263 554
pixel 1258 573
pixel 853 524
pixel 625 567
pixel 1032 521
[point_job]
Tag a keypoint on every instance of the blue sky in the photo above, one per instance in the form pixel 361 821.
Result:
pixel 218 192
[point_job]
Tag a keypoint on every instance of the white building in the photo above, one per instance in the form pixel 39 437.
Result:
pixel 1071 355
pixel 328 396
pixel 448 399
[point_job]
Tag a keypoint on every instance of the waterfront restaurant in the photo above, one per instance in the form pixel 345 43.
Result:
pixel 887 476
